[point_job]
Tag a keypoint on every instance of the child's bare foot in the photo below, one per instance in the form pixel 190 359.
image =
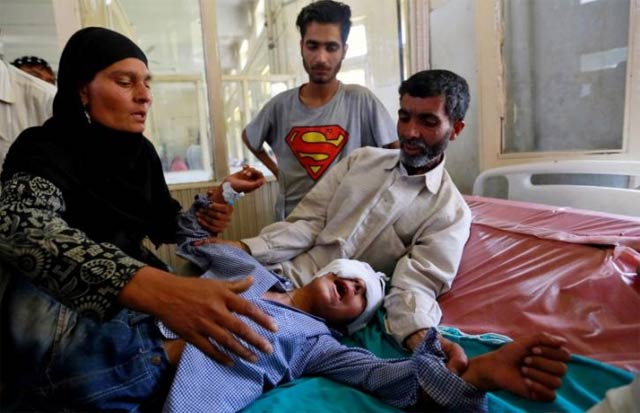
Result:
pixel 530 367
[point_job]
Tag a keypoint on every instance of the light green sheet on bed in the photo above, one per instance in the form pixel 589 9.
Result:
pixel 585 383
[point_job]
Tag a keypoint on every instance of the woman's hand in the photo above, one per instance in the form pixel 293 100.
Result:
pixel 201 311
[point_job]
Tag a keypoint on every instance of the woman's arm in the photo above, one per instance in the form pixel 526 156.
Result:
pixel 97 279
pixel 36 241
pixel 199 310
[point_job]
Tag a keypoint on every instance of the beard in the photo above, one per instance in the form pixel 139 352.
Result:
pixel 429 152
pixel 324 78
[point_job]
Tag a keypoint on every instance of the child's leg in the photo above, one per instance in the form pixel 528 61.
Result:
pixel 531 367
pixel 60 359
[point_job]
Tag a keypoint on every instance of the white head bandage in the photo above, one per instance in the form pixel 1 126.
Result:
pixel 375 282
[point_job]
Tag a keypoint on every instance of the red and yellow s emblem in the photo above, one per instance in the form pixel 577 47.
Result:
pixel 316 147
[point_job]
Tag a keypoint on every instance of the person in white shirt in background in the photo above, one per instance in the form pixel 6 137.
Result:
pixel 37 67
pixel 25 101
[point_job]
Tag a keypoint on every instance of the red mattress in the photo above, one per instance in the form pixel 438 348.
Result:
pixel 530 267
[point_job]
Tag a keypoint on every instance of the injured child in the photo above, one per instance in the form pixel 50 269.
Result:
pixel 91 367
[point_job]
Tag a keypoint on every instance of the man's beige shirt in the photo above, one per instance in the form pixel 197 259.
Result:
pixel 367 207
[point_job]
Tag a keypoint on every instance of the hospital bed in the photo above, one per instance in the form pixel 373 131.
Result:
pixel 567 264
pixel 608 186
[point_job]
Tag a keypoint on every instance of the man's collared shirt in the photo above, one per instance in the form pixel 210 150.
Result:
pixel 412 227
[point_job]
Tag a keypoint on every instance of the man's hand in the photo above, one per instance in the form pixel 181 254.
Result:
pixel 215 218
pixel 457 360
pixel 247 180
pixel 201 311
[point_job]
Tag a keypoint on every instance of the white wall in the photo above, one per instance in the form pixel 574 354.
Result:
pixel 453 48
pixel 27 27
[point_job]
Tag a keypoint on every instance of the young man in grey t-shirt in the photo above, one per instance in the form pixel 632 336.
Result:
pixel 312 127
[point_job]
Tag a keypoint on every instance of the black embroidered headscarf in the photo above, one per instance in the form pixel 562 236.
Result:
pixel 111 181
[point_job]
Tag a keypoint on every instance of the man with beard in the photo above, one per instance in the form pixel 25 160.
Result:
pixel 311 127
pixel 399 211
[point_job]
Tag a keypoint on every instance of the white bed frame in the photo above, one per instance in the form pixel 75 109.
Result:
pixel 598 198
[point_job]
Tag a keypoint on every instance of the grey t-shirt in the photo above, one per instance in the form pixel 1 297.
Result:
pixel 308 141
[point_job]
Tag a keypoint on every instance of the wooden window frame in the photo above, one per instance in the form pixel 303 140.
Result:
pixel 491 91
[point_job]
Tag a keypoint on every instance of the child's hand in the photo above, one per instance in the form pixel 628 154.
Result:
pixel 246 180
pixel 531 367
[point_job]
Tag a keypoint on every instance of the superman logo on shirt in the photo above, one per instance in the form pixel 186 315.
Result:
pixel 316 147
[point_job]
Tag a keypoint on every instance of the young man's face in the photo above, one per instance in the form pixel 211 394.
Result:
pixel 338 300
pixel 322 52
pixel 424 130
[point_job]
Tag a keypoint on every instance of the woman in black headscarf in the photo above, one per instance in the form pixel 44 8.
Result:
pixel 81 192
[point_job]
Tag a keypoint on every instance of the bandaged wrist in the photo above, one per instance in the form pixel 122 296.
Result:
pixel 229 194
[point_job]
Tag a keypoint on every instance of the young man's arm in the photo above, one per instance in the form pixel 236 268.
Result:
pixel 261 154
pixel 262 128
pixel 380 125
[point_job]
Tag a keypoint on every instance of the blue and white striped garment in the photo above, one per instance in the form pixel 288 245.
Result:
pixel 303 345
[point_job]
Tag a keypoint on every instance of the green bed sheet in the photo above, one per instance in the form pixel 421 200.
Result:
pixel 585 383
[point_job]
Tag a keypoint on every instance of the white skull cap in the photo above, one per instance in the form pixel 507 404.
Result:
pixel 375 282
